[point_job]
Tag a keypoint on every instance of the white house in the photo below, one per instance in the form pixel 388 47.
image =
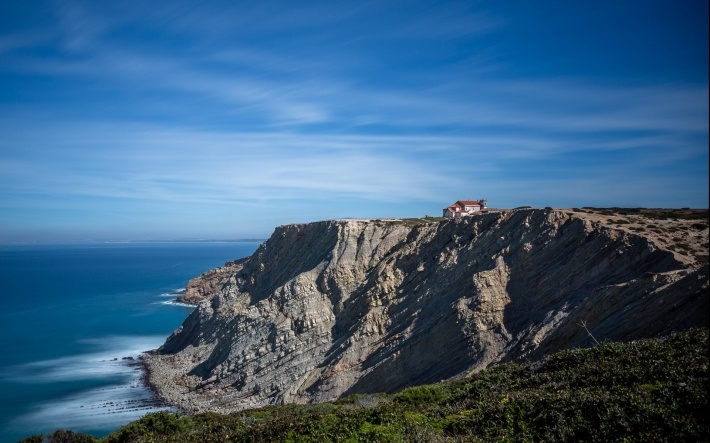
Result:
pixel 463 208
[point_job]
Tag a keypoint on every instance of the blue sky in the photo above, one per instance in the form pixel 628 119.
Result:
pixel 184 120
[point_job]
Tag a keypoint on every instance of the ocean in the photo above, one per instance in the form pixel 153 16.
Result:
pixel 74 320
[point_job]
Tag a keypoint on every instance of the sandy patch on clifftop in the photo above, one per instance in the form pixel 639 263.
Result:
pixel 683 231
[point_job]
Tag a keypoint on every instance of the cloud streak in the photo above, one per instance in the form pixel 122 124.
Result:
pixel 386 106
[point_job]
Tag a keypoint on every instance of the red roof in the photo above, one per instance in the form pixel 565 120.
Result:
pixel 468 203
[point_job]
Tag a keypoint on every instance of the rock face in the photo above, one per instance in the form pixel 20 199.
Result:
pixel 209 283
pixel 332 308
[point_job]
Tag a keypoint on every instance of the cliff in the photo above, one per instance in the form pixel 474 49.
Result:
pixel 333 308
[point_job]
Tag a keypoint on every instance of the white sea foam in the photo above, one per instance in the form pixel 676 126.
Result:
pixel 121 399
pixel 176 303
pixel 106 408
pixel 174 293
pixel 108 362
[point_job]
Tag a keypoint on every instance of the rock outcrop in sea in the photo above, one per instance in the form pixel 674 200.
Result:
pixel 210 283
pixel 326 309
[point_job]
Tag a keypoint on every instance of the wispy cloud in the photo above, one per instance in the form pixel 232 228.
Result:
pixel 382 104
pixel 276 88
pixel 136 162
pixel 219 167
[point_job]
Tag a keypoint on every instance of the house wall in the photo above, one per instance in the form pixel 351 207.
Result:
pixel 467 210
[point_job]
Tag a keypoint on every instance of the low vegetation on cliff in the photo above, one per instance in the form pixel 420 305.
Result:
pixel 646 390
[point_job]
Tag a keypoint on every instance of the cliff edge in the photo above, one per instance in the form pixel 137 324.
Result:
pixel 327 309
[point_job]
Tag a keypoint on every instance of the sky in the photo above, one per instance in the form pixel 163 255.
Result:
pixel 139 120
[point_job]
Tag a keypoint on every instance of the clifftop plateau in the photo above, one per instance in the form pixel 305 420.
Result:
pixel 327 309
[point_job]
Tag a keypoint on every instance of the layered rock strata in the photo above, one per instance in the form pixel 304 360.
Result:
pixel 327 309
pixel 209 283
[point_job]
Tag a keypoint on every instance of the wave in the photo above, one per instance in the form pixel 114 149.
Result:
pixel 173 293
pixel 108 389
pixel 111 360
pixel 176 303
pixel 92 409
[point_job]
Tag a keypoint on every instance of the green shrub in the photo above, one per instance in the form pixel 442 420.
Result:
pixel 375 433
pixel 65 436
pixel 418 395
pixel 156 424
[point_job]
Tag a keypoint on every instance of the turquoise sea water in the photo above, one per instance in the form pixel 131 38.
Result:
pixel 72 318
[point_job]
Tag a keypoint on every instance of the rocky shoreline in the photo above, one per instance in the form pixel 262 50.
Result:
pixel 146 381
pixel 174 388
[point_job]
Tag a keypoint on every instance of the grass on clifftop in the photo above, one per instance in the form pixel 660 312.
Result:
pixel 650 390
pixel 657 213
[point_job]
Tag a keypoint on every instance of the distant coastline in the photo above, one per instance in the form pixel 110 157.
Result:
pixel 119 242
